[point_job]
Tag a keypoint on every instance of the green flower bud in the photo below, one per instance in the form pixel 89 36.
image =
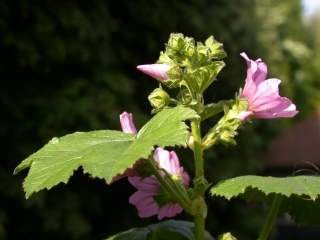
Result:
pixel 159 98
pixel 227 128
pixel 226 236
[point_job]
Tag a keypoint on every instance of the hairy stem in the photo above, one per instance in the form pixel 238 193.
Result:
pixel 271 217
pixel 200 213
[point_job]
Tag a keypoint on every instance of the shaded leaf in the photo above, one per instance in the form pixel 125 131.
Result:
pixel 171 229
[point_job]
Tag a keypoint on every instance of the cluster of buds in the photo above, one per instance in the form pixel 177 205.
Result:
pixel 187 65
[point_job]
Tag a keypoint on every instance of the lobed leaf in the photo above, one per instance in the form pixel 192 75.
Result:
pixel 300 193
pixel 104 153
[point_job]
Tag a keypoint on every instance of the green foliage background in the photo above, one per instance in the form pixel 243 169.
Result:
pixel 70 66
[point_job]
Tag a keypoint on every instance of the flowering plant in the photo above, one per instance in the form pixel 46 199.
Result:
pixel 184 70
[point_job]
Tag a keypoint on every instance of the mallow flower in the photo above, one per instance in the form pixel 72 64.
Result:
pixel 149 199
pixel 158 71
pixel 262 94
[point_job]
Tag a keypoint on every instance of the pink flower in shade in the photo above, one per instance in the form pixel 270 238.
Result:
pixel 158 71
pixel 262 94
pixel 149 187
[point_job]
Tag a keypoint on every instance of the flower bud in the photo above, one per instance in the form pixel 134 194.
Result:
pixel 159 98
pixel 158 71
pixel 127 124
pixel 226 236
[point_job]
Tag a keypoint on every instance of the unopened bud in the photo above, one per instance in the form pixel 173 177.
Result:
pixel 159 98
pixel 226 236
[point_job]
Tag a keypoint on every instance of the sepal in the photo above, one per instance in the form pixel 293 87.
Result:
pixel 226 129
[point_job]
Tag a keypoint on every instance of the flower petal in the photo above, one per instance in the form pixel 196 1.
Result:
pixel 162 157
pixel 265 92
pixel 169 210
pixel 256 74
pixel 243 116
pixel 281 107
pixel 148 184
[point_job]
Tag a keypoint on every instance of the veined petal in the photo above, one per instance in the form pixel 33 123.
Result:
pixel 169 210
pixel 266 91
pixel 148 184
pixel 174 162
pixel 140 197
pixel 256 74
pixel 149 212
pixel 282 107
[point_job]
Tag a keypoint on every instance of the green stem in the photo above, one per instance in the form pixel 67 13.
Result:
pixel 198 154
pixel 199 221
pixel 182 199
pixel 200 214
pixel 271 217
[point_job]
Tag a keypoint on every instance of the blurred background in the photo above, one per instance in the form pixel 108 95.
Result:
pixel 69 66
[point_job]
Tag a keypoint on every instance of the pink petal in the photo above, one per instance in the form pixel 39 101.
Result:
pixel 174 162
pixel 267 90
pixel 144 203
pixel 284 108
pixel 148 184
pixel 158 71
pixel 256 73
pixel 169 210
pixel 149 211
pixel 126 121
pixel 164 211
pixel 185 178
pixel 243 116
pixel 162 157
pixel 139 197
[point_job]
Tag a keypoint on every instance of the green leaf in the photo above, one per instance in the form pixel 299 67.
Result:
pixel 171 229
pixel 300 193
pixel 213 109
pixel 105 153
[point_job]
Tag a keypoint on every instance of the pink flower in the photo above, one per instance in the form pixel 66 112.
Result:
pixel 158 71
pixel 263 94
pixel 127 124
pixel 149 188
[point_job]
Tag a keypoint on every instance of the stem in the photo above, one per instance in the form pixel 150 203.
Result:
pixel 167 186
pixel 198 154
pixel 199 221
pixel 271 217
pixel 200 215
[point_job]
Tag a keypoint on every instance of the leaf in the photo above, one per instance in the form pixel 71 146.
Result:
pixel 213 109
pixel 300 193
pixel 105 153
pixel 171 229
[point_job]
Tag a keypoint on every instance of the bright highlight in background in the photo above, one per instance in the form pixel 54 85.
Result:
pixel 310 6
